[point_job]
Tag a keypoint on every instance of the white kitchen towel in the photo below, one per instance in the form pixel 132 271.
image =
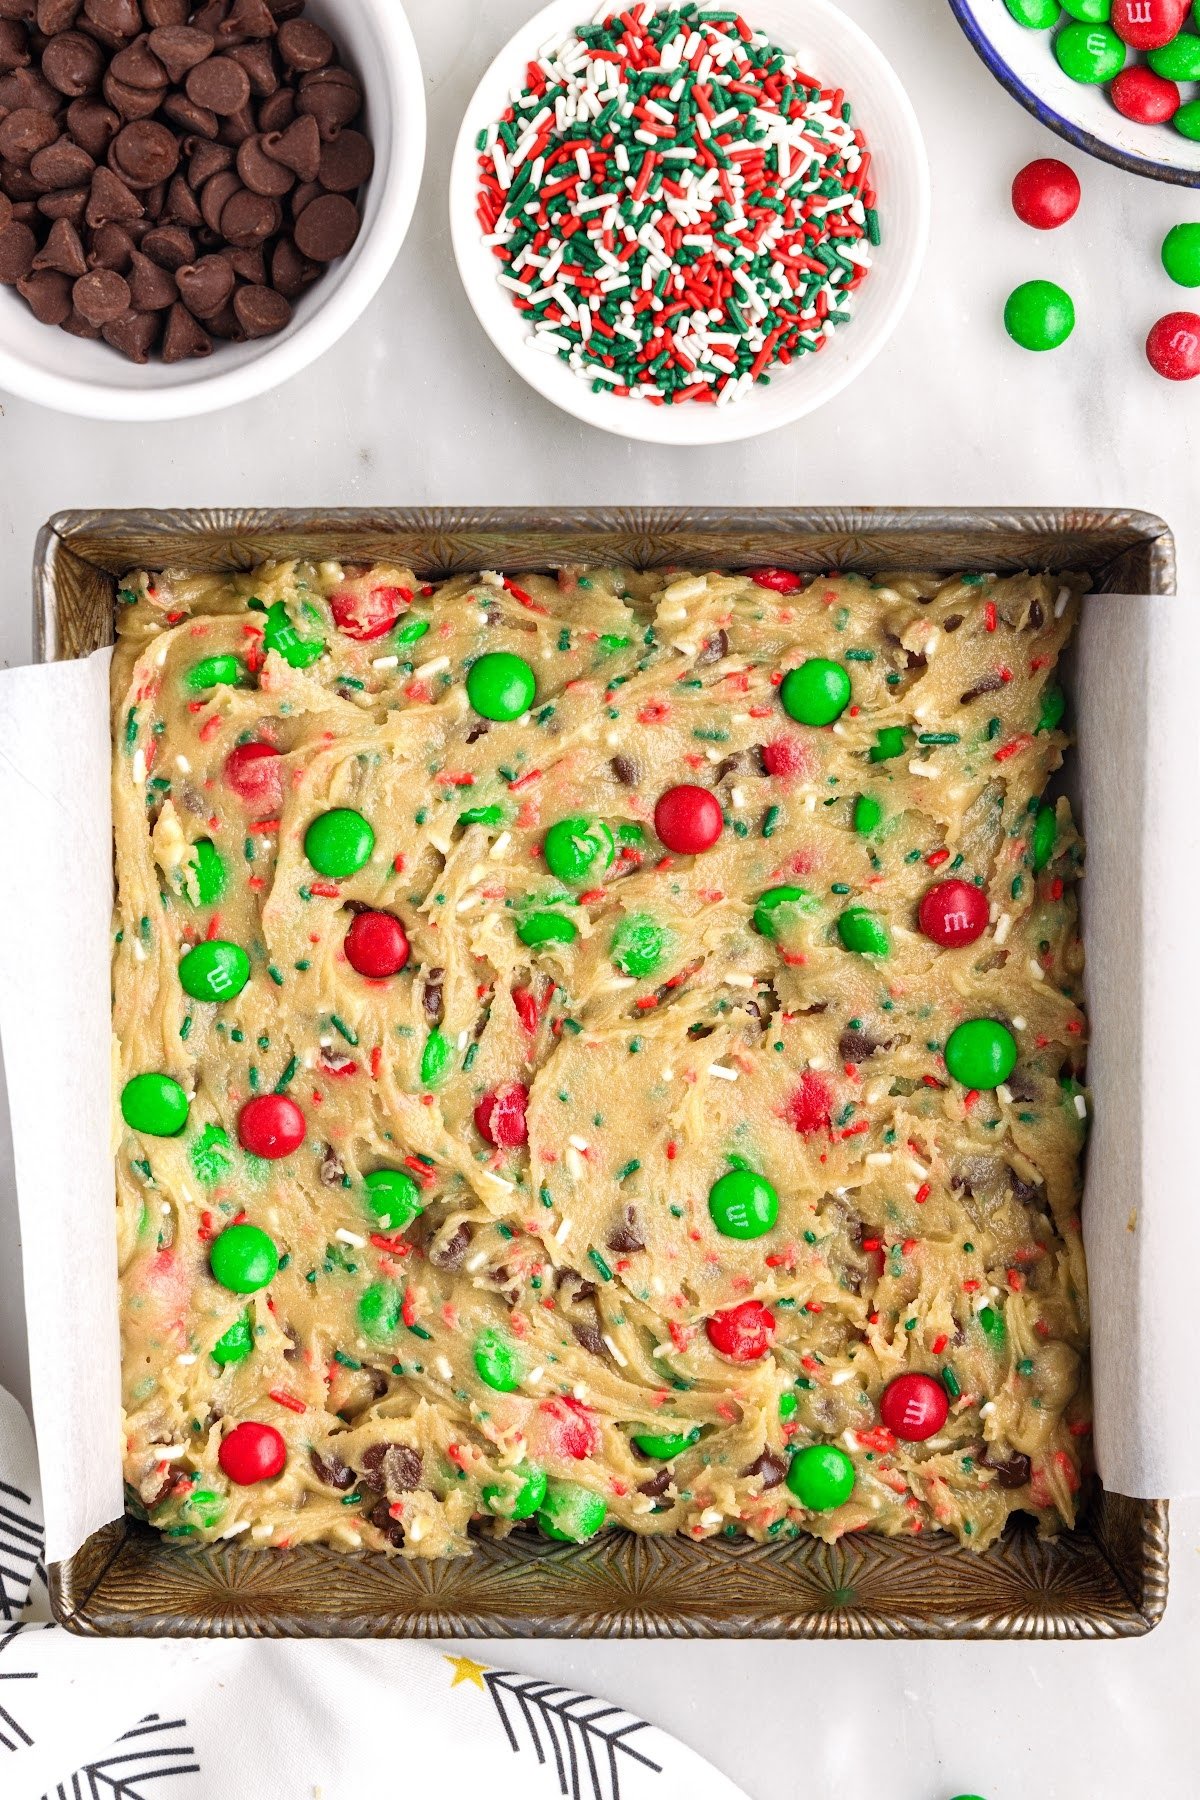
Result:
pixel 87 1720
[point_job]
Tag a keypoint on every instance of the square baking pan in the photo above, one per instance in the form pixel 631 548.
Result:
pixel 1106 1579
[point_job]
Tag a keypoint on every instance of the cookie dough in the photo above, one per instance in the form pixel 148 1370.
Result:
pixel 602 1048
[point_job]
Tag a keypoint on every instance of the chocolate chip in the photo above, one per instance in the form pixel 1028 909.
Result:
pixel 714 648
pixel 332 1470
pixel 130 102
pixel 120 17
pixel 179 48
pixel 333 97
pixel 259 66
pixel 111 248
pixel 226 325
pixel 144 153
pixel 220 84
pixel 431 995
pixel 588 1338
pixel 216 191
pixel 181 206
pixel 237 126
pixel 303 196
pixel 303 45
pixel 207 160
pixel 18 246
pixel 23 133
pixel 987 684
pixel 627 1237
pixel 73 63
pixel 261 173
pixel 14 45
pixel 63 203
pixel 25 87
pixel 93 126
pixel 770 1467
pixel 298 148
pixel 1035 618
pixel 857 1046
pixel 248 219
pixel 1012 1471
pixel 169 245
pixel 247 19
pixel 625 770
pixel 48 295
pixel 189 117
pixel 151 287
pixel 450 1251
pixel 78 326
pixel 656 1485
pixel 327 228
pixel 111 202
pixel 100 296
pixel 165 12
pixel 54 16
pixel 184 337
pixel 133 334
pixel 250 265
pixel 277 110
pixel 137 66
pixel 345 164
pixel 6 211
pixel 397 1466
pixel 62 251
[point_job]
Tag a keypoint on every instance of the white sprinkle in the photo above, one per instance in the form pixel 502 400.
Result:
pixel 737 798
pixel 987 1409
pixel 385 662
pixel 186 1359
pixel 576 1167
pixel 1081 1106
pixel 621 1361
pixel 1036 970
pixel 739 981
pixel 878 1159
pixel 233 1530
pixel 477 1261
pixel 712 1515
pixel 535 1375
pixel 415 1530
pixel 1003 927
pixel 183 765
pixel 1062 603
pixel 500 846
pixel 350 1237
pixel 1004 1095
pixel 468 901
pixel 491 1175
pixel 433 667
pixel 563 1232
pixel 138 771
pixel 580 1144
pixel 444 1367
pixel 923 768
pixel 169 1452
pixel 840 1377
pixel 668 1074
pixel 721 1072
pixel 1018 1023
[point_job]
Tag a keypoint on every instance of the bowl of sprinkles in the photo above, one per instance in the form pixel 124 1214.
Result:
pixel 684 224
pixel 1119 79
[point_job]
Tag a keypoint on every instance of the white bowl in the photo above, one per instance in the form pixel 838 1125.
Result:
pixel 94 381
pixel 833 49
pixel 1024 61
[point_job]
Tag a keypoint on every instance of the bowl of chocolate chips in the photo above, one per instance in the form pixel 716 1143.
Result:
pixel 197 197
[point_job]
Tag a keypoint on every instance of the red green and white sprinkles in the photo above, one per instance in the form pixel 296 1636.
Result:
pixel 677 205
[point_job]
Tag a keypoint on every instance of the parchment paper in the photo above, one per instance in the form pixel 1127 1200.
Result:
pixel 1137 773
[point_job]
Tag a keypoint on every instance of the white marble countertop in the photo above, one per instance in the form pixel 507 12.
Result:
pixel 414 408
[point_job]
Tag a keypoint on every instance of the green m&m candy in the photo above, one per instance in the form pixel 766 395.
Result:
pixel 280 635
pixel 1187 120
pixel 1181 255
pixel 1090 53
pixel 889 742
pixel 1054 705
pixel 867 814
pixel 777 906
pixel 821 1476
pixel 243 1259
pixel 214 671
pixel 338 842
pixel 214 970
pixel 638 945
pixel 482 815
pixel 547 928
pixel 209 873
pixel 863 931
pixel 665 1446
pixel 1089 12
pixel 236 1343
pixel 743 1204
pixel 436 1058
pixel 1040 315
pixel 578 849
pixel 380 1309
pixel 496 1361
pixel 1045 830
pixel 817 692
pixel 204 1505
pixel 571 1514
pixel 991 1323
pixel 1179 60
pixel 501 686
pixel 393 1196
pixel 1036 15
pixel 155 1105
pixel 522 1501
pixel 981 1053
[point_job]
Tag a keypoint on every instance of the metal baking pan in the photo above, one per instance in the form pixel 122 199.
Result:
pixel 1106 1579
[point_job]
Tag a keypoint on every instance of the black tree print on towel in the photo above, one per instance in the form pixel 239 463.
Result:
pixel 20 1550
pixel 156 1751
pixel 582 1736
pixel 13 1735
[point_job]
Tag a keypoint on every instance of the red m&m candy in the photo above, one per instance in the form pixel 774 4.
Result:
pixel 953 913
pixel 1046 193
pixel 786 756
pixel 1148 24
pixel 376 945
pixel 781 581
pixel 1173 347
pixel 914 1407
pixel 500 1115
pixel 254 773
pixel 366 613
pixel 1138 93
pixel 252 1452
pixel 688 819
pixel 270 1125
pixel 742 1333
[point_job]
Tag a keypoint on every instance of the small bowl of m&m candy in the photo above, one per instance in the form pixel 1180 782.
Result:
pixel 1119 79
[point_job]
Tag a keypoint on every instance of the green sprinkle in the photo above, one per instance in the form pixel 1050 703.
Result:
pixel 602 1267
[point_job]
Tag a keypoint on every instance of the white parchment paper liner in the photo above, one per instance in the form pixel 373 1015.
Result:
pixel 1137 772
